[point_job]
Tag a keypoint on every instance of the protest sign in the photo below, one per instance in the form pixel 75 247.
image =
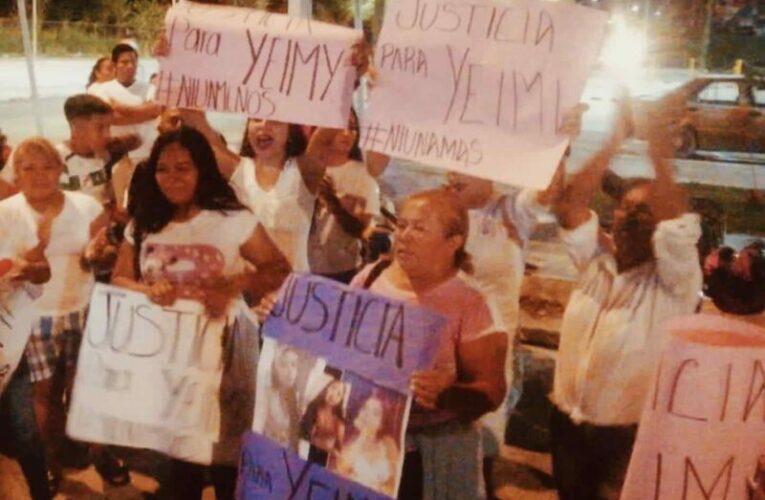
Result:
pixel 269 471
pixel 151 377
pixel 257 63
pixel 333 386
pixel 702 432
pixel 16 316
pixel 381 339
pixel 480 86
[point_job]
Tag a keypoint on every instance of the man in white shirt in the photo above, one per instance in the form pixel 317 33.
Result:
pixel 611 334
pixel 133 111
pixel 87 161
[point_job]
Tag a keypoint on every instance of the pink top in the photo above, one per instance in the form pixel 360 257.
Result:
pixel 469 314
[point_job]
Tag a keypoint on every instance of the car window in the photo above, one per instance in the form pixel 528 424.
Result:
pixel 719 93
pixel 759 97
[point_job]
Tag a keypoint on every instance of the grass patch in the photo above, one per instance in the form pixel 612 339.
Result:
pixel 64 40
pixel 742 215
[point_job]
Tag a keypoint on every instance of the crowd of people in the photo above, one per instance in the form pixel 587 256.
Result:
pixel 137 189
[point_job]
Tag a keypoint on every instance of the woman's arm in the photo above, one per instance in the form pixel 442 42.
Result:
pixel 572 208
pixel 98 252
pixel 482 388
pixel 133 115
pixel 124 275
pixel 668 200
pixel 353 221
pixel 227 160
pixel 271 267
pixel 313 163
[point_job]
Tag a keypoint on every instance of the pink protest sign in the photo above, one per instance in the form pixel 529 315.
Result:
pixel 702 432
pixel 480 86
pixel 258 64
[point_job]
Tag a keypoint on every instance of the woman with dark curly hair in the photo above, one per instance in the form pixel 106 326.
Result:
pixel 736 281
pixel 190 238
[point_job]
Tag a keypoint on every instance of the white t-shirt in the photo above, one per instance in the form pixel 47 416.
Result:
pixel 498 260
pixel 285 210
pixel 191 252
pixel 330 249
pixel 611 336
pixel 134 95
pixel 69 287
pixel 86 175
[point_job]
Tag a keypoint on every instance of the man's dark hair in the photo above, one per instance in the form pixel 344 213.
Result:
pixel 85 106
pixel 120 49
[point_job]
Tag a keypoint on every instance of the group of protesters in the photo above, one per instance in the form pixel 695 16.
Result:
pixel 137 188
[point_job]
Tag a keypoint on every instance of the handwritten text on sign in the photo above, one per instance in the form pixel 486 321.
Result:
pixel 381 339
pixel 703 430
pixel 256 63
pixel 154 370
pixel 267 470
pixel 480 86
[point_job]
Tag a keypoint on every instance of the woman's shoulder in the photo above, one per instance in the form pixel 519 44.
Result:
pixel 12 204
pixel 244 169
pixel 466 287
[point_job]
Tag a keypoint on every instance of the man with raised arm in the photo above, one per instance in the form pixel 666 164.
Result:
pixel 611 336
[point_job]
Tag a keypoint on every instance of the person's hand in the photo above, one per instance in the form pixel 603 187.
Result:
pixel 218 294
pixel 427 385
pixel 326 190
pixel 572 121
pixel 193 118
pixel 265 306
pixel 161 46
pixel 155 108
pixel 34 271
pixel 120 145
pixel 100 250
pixel 170 120
pixel 162 293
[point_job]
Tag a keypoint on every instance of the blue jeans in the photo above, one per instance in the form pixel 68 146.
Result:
pixel 20 434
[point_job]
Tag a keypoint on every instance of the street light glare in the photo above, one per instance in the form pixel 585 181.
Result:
pixel 625 49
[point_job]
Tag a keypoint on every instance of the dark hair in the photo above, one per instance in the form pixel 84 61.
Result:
pixel 152 211
pixel 85 106
pixel 94 70
pixel 308 421
pixel 355 152
pixel 736 283
pixel 296 141
pixel 120 49
pixel 616 187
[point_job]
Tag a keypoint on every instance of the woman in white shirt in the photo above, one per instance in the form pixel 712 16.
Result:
pixel 276 174
pixel 63 224
pixel 190 238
